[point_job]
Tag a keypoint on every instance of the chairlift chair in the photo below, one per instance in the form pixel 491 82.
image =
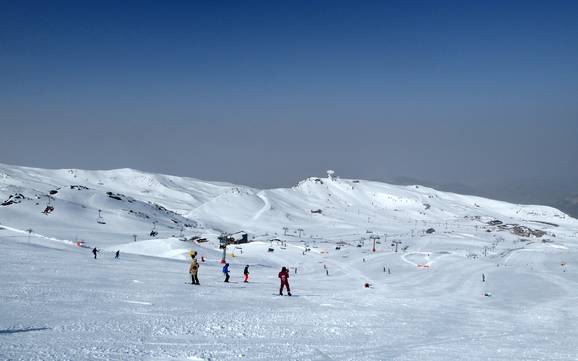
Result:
pixel 100 220
pixel 49 208
pixel 154 233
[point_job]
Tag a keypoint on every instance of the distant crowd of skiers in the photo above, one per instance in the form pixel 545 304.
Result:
pixel 96 251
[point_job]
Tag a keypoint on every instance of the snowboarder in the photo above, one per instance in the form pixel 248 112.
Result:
pixel 194 269
pixel 246 274
pixel 94 252
pixel 226 272
pixel 284 277
pixel 117 254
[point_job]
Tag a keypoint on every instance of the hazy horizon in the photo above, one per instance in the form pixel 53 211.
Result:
pixel 265 94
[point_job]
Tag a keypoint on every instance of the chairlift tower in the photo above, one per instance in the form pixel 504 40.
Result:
pixel 224 239
pixel 374 238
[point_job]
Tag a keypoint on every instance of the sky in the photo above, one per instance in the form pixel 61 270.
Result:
pixel 266 93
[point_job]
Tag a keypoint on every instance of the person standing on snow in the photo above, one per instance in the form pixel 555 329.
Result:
pixel 246 274
pixel 94 252
pixel 284 277
pixel 194 269
pixel 226 272
pixel 117 254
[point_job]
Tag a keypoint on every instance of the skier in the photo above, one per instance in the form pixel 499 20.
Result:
pixel 483 277
pixel 284 277
pixel 246 274
pixel 94 252
pixel 194 269
pixel 226 272
pixel 117 254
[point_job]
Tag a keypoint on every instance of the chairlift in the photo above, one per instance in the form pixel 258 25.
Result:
pixel 100 220
pixel 154 233
pixel 49 208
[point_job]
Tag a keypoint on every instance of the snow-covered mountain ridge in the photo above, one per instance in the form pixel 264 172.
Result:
pixel 132 202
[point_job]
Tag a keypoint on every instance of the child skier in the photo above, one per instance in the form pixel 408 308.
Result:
pixel 284 277
pixel 246 274
pixel 226 272
pixel 194 269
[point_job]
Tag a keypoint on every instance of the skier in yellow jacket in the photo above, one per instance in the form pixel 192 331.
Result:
pixel 194 269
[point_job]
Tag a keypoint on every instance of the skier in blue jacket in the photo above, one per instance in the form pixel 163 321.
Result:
pixel 226 272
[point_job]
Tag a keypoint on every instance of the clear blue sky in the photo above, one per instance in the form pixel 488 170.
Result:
pixel 265 93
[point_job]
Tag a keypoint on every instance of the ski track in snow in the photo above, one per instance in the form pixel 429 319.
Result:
pixel 265 208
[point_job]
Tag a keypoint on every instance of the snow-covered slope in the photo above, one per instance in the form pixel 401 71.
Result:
pixel 424 254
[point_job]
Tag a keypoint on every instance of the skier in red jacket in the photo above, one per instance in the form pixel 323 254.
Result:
pixel 284 277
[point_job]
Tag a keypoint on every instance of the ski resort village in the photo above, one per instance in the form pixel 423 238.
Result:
pixel 127 265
